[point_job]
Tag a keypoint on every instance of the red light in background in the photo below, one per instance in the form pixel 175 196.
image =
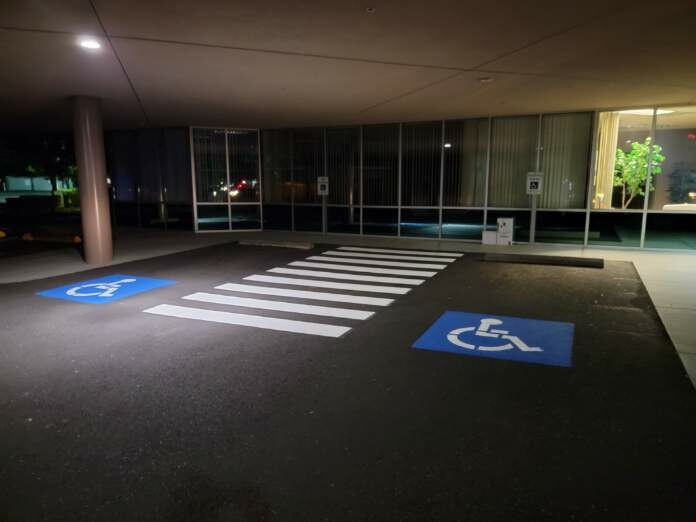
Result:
pixel 691 136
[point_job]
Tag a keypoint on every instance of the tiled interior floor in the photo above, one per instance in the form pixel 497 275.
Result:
pixel 670 277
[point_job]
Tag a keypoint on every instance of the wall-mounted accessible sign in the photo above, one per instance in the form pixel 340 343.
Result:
pixel 535 182
pixel 106 289
pixel 323 185
pixel 501 337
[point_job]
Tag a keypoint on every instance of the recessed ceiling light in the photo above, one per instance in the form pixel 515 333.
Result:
pixel 89 43
pixel 448 145
pixel 487 79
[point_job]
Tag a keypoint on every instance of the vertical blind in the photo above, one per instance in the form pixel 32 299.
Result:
pixel 513 154
pixel 343 165
pixel 420 178
pixel 380 164
pixel 466 155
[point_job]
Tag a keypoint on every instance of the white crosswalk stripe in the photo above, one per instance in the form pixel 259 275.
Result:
pixel 351 277
pixel 388 256
pixel 349 269
pixel 255 321
pixel 390 251
pixel 305 294
pixel 368 269
pixel 281 306
pixel 328 284
pixel 373 262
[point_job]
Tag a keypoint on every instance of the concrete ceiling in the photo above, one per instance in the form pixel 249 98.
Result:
pixel 321 62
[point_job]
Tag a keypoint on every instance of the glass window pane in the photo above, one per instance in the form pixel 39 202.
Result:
pixel 246 217
pixel 213 217
pixel 380 221
pixel 420 169
pixel 211 167
pixel 343 220
pixel 673 185
pixel 560 227
pixel 664 230
pixel 615 228
pixel 308 163
pixel 277 217
pixel 513 154
pixel 462 224
pixel 308 218
pixel 380 164
pixel 419 222
pixel 466 154
pixel 521 224
pixel 343 166
pixel 622 138
pixel 244 165
pixel 277 181
pixel 565 155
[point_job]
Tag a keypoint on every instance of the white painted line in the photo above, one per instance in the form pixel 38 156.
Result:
pixel 304 294
pixel 371 262
pixel 328 284
pixel 387 256
pixel 368 269
pixel 390 251
pixel 281 306
pixel 351 277
pixel 254 321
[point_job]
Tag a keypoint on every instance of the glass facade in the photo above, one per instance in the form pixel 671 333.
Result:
pixel 226 170
pixel 614 178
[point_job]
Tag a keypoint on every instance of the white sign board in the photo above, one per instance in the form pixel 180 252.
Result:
pixel 323 185
pixel 506 228
pixel 534 183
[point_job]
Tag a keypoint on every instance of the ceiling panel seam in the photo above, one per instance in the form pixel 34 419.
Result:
pixel 123 67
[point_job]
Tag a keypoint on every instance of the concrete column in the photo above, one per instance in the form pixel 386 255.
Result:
pixel 91 177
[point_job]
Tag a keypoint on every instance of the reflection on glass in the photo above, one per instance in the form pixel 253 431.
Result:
pixel 623 147
pixel 343 220
pixel 560 227
pixel 277 217
pixel 308 218
pixel 466 154
pixel 213 217
pixel 462 224
pixel 246 217
pixel 420 222
pixel 277 178
pixel 211 166
pixel 675 185
pixel 674 231
pixel 380 221
pixel 615 229
pixel 244 166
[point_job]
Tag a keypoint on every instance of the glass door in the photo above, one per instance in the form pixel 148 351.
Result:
pixel 244 190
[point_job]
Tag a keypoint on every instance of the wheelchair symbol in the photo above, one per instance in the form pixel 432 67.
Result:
pixel 99 289
pixel 484 330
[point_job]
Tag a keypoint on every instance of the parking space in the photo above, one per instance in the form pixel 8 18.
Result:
pixel 342 383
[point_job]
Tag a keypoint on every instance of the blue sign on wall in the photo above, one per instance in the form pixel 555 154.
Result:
pixel 106 289
pixel 501 337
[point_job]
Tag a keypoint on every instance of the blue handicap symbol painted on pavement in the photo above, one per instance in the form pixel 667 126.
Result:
pixel 106 289
pixel 501 337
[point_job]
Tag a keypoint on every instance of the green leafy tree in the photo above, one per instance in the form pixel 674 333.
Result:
pixel 631 169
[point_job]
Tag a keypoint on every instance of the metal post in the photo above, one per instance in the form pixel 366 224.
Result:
pixel 442 176
pixel 398 200
pixel 648 180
